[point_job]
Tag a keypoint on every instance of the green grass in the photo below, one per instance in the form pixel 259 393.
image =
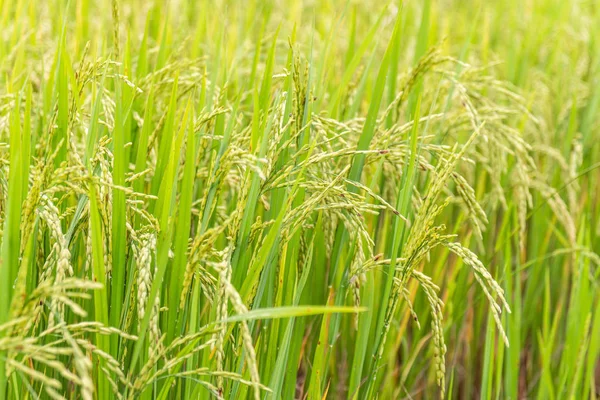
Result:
pixel 299 199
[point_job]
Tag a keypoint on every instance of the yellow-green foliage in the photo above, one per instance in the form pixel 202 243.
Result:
pixel 299 199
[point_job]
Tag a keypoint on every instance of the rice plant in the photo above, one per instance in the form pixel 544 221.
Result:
pixel 299 200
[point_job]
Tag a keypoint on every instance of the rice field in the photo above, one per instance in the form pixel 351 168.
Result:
pixel 299 199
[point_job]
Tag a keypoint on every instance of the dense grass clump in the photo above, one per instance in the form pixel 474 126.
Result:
pixel 299 199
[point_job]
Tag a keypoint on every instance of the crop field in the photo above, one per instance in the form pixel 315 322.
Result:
pixel 299 199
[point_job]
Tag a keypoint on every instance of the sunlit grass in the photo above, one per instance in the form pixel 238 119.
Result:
pixel 296 199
